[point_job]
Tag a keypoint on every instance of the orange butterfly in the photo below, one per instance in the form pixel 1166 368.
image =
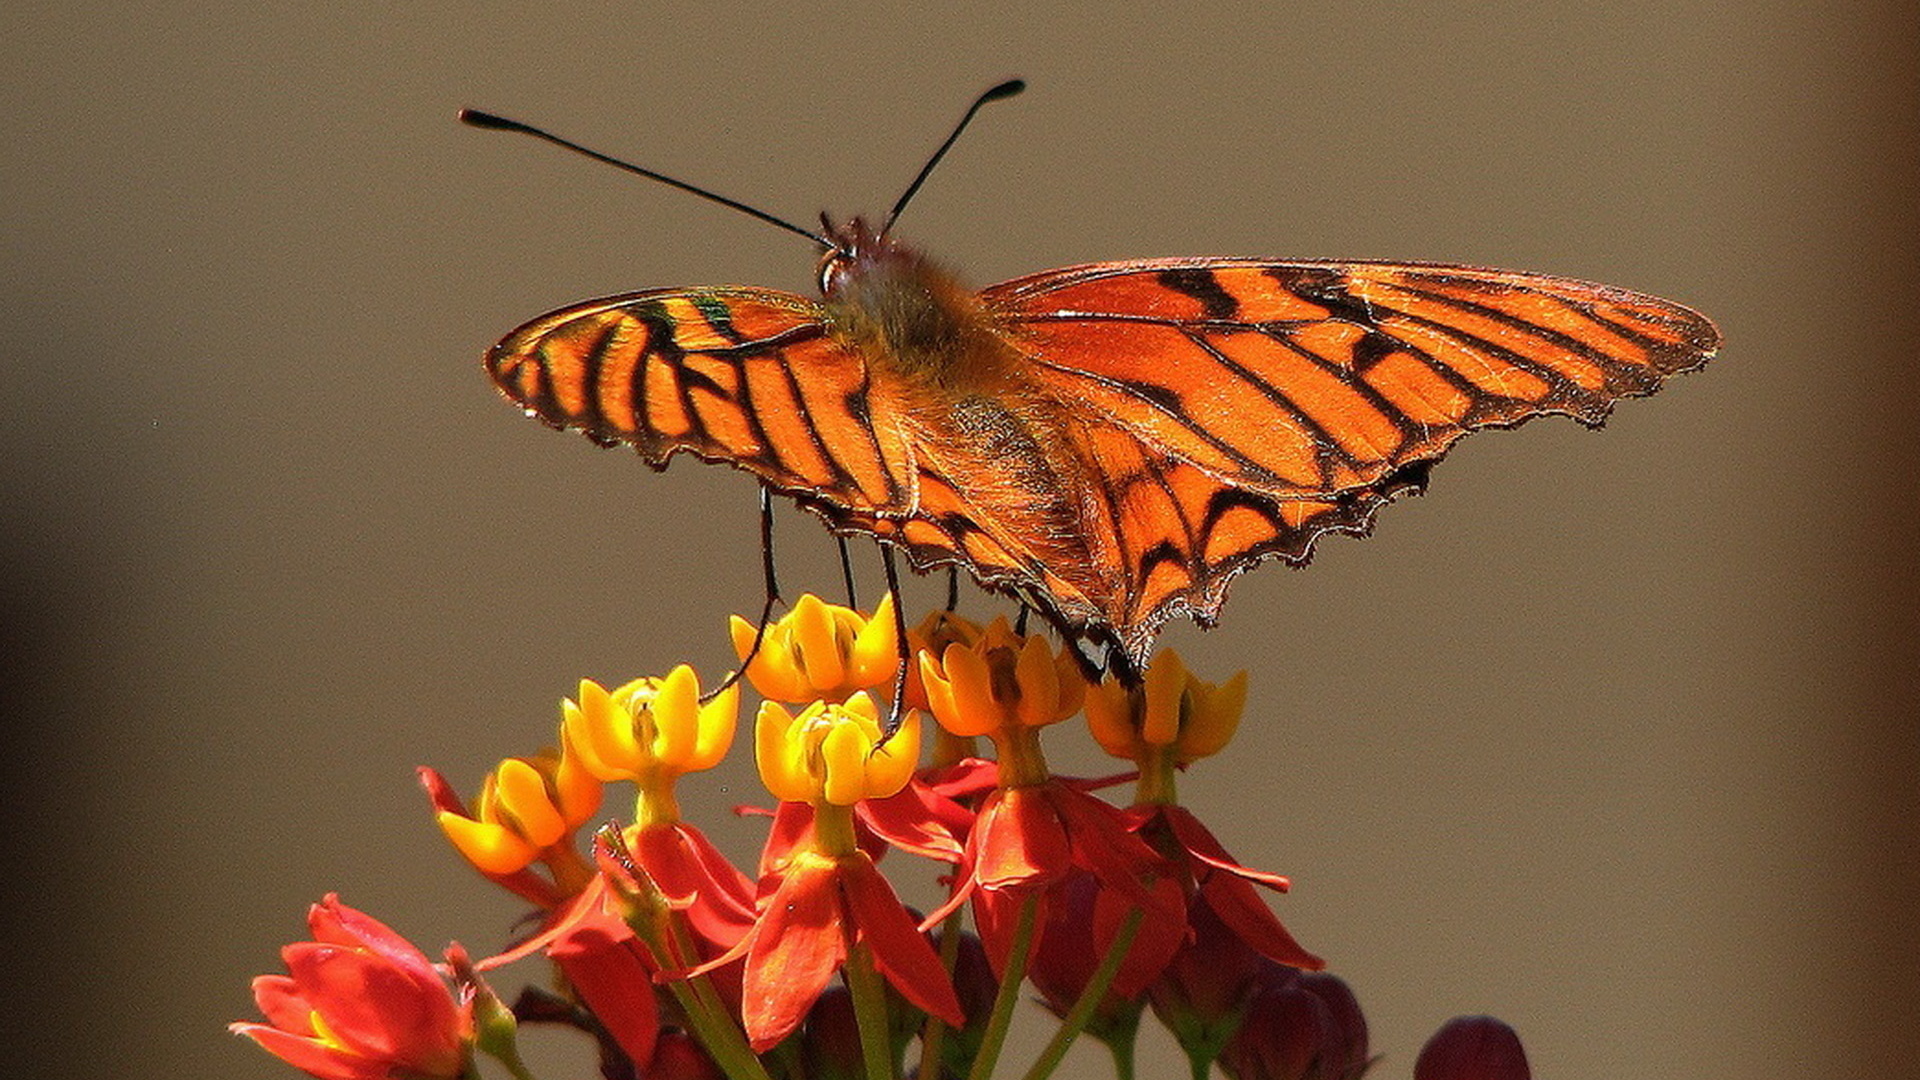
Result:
pixel 1111 443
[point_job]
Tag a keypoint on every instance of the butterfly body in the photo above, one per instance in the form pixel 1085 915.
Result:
pixel 1111 442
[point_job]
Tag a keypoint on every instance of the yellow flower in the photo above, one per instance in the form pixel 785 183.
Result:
pixel 651 727
pixel 937 631
pixel 1171 713
pixel 651 731
pixel 820 651
pixel 527 810
pixel 834 754
pixel 1001 680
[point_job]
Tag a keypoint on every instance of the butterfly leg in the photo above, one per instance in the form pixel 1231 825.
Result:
pixel 846 573
pixel 894 714
pixel 773 595
pixel 953 587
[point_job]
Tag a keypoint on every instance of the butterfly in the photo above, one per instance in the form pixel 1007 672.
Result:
pixel 1111 443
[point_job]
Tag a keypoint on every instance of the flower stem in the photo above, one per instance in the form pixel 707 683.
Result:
pixel 934 1035
pixel 1090 998
pixel 721 1038
pixel 707 1014
pixel 1123 1057
pixel 870 1012
pixel 1009 993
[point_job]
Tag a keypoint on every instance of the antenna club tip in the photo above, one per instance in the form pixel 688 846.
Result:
pixel 476 118
pixel 1005 90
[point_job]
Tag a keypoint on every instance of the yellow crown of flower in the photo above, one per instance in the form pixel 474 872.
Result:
pixel 527 806
pixel 834 753
pixel 1171 712
pixel 651 729
pixel 820 651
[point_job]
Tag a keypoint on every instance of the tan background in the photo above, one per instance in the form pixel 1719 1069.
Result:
pixel 1612 735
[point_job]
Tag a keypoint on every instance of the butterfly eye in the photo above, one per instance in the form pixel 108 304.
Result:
pixel 833 266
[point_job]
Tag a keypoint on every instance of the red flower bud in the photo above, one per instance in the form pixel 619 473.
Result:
pixel 1472 1048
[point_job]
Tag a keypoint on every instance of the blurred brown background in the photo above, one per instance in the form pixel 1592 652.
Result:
pixel 1611 735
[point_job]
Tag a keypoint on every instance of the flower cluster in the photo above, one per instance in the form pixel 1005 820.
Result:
pixel 682 965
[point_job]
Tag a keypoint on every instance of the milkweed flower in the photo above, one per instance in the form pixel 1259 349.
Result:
pixel 528 810
pixel 1169 721
pixel 1034 829
pixel 359 1002
pixel 828 900
pixel 819 651
pixel 651 732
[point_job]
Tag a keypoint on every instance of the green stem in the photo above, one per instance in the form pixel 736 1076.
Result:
pixel 1009 992
pixel 721 1037
pixel 707 1013
pixel 1123 1054
pixel 870 1012
pixel 1090 998
pixel 934 1034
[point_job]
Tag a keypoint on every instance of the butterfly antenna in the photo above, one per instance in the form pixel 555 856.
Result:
pixel 487 120
pixel 1004 90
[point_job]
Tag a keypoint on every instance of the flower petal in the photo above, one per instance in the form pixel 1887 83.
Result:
pixel 796 948
pixel 900 951
pixel 617 985
pixel 312 1056
pixel 1018 840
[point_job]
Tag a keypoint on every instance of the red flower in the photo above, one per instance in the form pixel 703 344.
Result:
pixel 822 906
pixel 1029 838
pixel 1472 1048
pixel 359 1003
pixel 1225 886
pixel 1069 952
pixel 825 898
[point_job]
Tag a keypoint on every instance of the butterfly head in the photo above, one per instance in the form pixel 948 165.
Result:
pixel 857 251
pixel 902 311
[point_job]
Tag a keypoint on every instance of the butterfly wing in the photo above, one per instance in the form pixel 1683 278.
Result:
pixel 745 376
pixel 754 378
pixel 1237 409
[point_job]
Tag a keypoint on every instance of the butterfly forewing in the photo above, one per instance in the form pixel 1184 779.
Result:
pixel 1304 379
pixel 1240 409
pixel 745 376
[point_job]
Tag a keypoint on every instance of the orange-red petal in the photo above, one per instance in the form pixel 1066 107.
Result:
pixel 798 945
